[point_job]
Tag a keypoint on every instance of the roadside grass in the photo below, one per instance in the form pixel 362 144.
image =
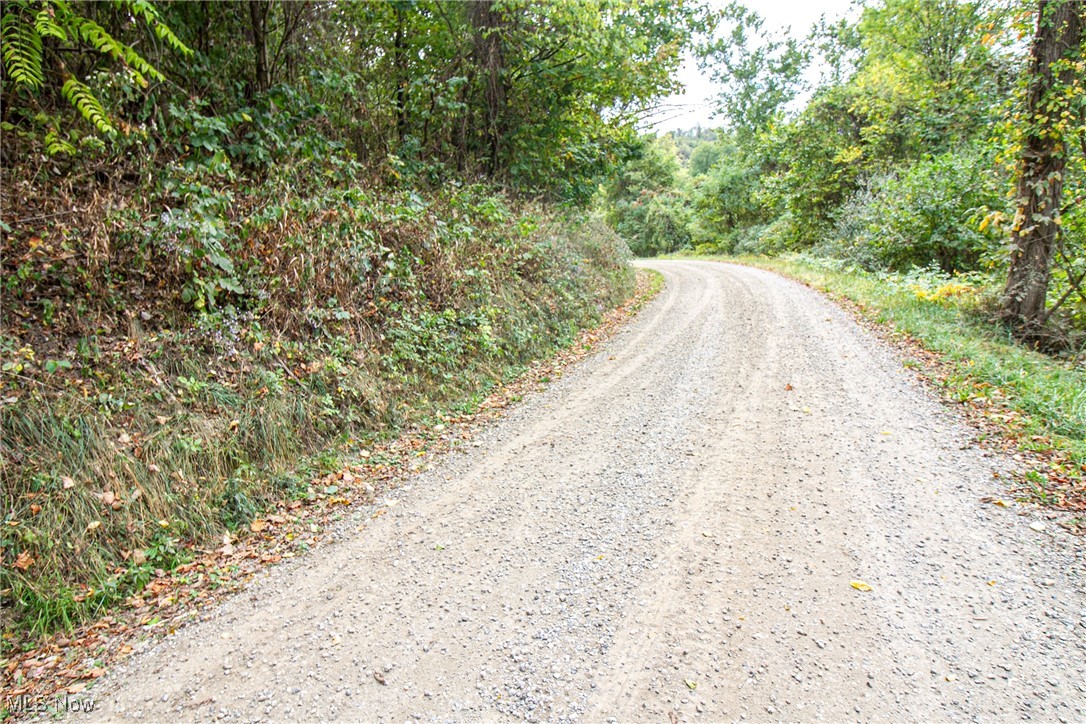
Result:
pixel 358 487
pixel 127 446
pixel 1033 401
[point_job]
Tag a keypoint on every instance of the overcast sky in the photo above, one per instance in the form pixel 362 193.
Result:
pixel 695 106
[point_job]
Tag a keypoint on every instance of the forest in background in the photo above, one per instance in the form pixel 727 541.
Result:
pixel 945 142
pixel 242 241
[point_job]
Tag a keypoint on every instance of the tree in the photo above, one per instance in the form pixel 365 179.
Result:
pixel 43 39
pixel 760 74
pixel 1057 47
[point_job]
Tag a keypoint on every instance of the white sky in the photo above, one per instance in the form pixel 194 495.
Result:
pixel 695 106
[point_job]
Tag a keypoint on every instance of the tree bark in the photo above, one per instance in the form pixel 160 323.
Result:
pixel 258 17
pixel 487 22
pixel 399 61
pixel 1040 171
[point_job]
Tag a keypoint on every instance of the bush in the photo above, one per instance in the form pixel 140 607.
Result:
pixel 654 223
pixel 928 213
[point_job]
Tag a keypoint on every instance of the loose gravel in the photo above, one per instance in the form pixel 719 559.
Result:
pixel 670 531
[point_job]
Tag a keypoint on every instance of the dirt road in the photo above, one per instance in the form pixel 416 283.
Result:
pixel 670 531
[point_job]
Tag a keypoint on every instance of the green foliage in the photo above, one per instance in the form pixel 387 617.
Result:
pixel 323 221
pixel 34 31
pixel 930 213
pixel 760 73
pixel 644 204
pixel 726 198
pixel 22 51
pixel 84 101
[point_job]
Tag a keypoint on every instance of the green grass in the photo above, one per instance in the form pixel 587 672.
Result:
pixel 950 318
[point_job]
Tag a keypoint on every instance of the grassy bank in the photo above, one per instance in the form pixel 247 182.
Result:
pixel 149 406
pixel 1034 401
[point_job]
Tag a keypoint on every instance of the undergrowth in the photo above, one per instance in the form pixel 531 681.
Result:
pixel 167 375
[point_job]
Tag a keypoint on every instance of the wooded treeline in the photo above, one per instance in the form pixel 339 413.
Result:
pixel 941 134
pixel 531 94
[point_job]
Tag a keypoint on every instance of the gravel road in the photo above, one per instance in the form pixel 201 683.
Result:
pixel 669 532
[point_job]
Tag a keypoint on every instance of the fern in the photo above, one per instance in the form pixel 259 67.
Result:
pixel 94 34
pixel 145 10
pixel 27 22
pixel 22 51
pixel 54 145
pixel 83 99
pixel 47 26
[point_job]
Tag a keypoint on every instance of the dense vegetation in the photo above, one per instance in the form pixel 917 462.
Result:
pixel 240 239
pixel 943 135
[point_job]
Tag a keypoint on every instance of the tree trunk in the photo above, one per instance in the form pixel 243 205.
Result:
pixel 258 17
pixel 399 61
pixel 487 24
pixel 1040 171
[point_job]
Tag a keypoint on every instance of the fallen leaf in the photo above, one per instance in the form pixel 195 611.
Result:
pixel 379 677
pixel 94 526
pixel 125 438
pixel 257 525
pixel 108 497
pixel 788 387
pixel 67 483
pixel 24 561
pixel 860 586
pixel 691 684
pixel 161 420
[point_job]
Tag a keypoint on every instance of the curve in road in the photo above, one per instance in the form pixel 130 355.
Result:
pixel 669 532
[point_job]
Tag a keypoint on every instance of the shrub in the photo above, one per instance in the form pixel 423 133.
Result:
pixel 927 213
